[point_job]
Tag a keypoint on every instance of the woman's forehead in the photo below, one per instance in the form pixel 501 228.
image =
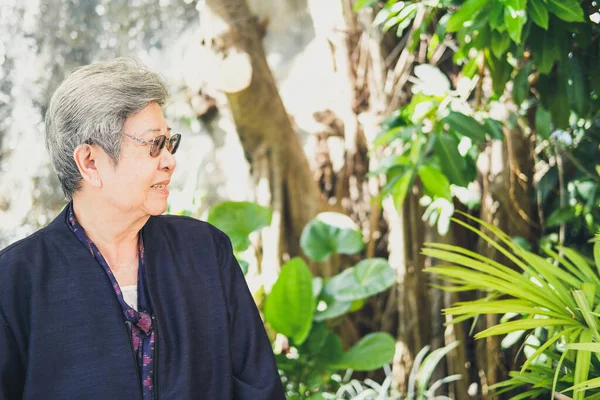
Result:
pixel 148 121
pixel 156 131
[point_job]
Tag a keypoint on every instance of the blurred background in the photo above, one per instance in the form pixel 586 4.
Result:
pixel 396 176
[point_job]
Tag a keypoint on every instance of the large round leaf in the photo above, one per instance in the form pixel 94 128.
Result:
pixel 371 352
pixel 330 233
pixel 290 306
pixel 329 306
pixel 371 276
pixel 238 219
pixel 334 308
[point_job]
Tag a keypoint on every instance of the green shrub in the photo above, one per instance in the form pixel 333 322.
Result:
pixel 555 301
pixel 303 310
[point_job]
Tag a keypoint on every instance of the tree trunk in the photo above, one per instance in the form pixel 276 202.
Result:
pixel 232 35
pixel 507 202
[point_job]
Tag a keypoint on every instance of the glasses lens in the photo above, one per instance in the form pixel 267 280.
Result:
pixel 174 143
pixel 157 144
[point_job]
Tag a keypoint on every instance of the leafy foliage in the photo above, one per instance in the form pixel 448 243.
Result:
pixel 539 295
pixel 419 385
pixel 238 219
pixel 304 310
pixel 544 52
pixel 430 141
pixel 330 233
pixel 290 306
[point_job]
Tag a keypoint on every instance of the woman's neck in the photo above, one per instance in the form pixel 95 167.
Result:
pixel 115 233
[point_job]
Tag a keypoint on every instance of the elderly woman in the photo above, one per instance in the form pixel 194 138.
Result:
pixel 112 300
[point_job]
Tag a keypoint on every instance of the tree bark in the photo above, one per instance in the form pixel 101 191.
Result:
pixel 508 203
pixel 265 130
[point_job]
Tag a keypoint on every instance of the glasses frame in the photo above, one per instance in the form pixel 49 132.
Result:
pixel 157 144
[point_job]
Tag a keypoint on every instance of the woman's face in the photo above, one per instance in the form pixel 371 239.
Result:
pixel 139 182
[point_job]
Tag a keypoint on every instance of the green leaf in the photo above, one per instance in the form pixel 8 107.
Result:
pixel 238 220
pixel 481 38
pixel 466 126
pixel 363 4
pixel 589 384
pixel 243 265
pixel 423 109
pixel 467 12
pixel 289 307
pixel 515 18
pixel 335 308
pixel 470 68
pixel 330 233
pixel 453 165
pixel 388 11
pixel 390 162
pixel 525 324
pixel 578 90
pixel 317 285
pixel 371 276
pixel 401 187
pixel 396 118
pixel 435 182
pixel 521 84
pixel 433 45
pixel 543 119
pixel 538 12
pixel 582 364
pixel 567 10
pixel 402 19
pixel 402 183
pixel 597 255
pixel 557 97
pixel 494 128
pixel 402 133
pixel 500 71
pixel 371 352
pixel 496 17
pixel 316 340
pixel 331 352
pixel 560 216
pixel 594 347
pixel 357 305
pixel 500 43
pixel 544 49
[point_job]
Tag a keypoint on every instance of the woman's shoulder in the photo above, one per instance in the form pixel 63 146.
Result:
pixel 183 226
pixel 19 260
pixel 23 247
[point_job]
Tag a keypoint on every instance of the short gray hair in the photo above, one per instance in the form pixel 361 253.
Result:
pixel 90 107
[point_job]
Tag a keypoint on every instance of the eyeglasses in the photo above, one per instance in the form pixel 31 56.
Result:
pixel 159 142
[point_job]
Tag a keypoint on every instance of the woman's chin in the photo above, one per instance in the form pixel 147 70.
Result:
pixel 157 207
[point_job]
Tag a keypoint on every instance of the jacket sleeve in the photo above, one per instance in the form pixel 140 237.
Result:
pixel 11 376
pixel 255 375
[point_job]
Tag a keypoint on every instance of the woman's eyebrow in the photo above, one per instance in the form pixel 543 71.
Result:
pixel 155 130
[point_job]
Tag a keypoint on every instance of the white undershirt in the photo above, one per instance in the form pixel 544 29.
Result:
pixel 130 295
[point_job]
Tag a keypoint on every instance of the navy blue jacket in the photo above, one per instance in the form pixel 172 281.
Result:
pixel 63 335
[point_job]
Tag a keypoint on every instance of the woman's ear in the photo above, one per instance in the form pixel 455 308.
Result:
pixel 85 157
